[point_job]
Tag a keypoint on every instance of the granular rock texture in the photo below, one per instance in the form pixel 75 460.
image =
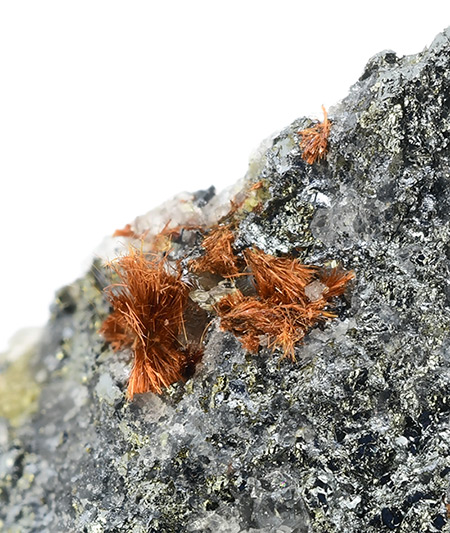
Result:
pixel 352 438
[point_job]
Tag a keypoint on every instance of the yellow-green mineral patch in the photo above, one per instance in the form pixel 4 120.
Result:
pixel 19 391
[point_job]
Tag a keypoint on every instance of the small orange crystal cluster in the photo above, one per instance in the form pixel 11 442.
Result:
pixel 314 142
pixel 284 308
pixel 148 306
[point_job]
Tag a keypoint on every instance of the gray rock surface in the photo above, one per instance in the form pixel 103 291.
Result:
pixel 353 438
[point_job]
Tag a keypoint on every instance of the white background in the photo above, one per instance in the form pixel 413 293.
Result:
pixel 108 108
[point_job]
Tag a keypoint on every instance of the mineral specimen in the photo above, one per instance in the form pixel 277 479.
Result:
pixel 353 437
